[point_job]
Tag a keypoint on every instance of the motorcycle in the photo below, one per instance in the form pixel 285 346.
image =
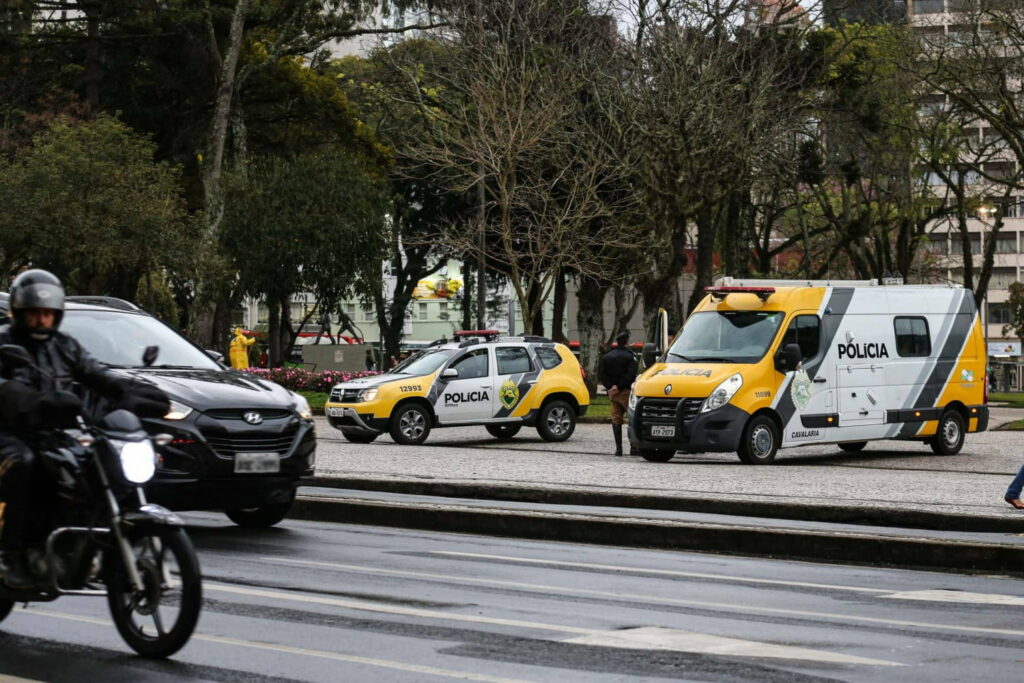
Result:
pixel 104 539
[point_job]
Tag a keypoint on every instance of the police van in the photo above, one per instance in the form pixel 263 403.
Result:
pixel 762 365
pixel 479 378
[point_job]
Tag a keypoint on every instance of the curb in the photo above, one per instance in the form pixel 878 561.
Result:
pixel 846 547
pixel 836 514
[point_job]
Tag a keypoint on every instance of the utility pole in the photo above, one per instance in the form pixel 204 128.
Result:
pixel 481 286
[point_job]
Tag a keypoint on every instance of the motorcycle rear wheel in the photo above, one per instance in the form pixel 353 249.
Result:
pixel 161 553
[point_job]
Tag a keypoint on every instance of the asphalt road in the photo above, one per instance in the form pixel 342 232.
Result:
pixel 315 602
pixel 886 475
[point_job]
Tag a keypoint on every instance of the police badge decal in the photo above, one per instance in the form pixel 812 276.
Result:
pixel 800 389
pixel 508 394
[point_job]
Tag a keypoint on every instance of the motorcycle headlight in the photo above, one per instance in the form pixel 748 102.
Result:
pixel 178 411
pixel 723 393
pixel 301 406
pixel 138 460
pixel 368 394
pixel 632 401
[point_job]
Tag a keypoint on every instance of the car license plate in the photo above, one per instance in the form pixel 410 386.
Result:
pixel 662 430
pixel 336 412
pixel 257 463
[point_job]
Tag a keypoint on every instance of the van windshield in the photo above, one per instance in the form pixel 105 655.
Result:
pixel 726 337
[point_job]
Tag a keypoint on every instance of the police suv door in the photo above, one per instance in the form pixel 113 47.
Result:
pixel 514 377
pixel 467 398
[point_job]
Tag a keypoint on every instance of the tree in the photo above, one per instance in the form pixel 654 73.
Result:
pixel 87 201
pixel 1015 303
pixel 307 224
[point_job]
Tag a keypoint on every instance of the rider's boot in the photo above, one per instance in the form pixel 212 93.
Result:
pixel 617 433
pixel 16 571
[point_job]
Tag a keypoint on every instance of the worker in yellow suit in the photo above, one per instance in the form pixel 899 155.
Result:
pixel 240 350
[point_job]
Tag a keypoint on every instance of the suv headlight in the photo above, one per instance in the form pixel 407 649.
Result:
pixel 632 400
pixel 723 393
pixel 301 406
pixel 367 394
pixel 178 411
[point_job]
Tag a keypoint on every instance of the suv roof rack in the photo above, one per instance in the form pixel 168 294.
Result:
pixel 535 339
pixel 486 335
pixel 437 342
pixel 108 301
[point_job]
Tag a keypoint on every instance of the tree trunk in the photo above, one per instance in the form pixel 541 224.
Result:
pixel 220 333
pixel 467 297
pixel 287 331
pixel 273 332
pixel 705 256
pixel 590 321
pixel 558 316
pixel 533 318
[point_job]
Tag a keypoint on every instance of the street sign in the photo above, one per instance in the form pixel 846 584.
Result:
pixel 1004 349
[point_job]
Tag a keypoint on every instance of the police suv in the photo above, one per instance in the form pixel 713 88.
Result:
pixel 478 378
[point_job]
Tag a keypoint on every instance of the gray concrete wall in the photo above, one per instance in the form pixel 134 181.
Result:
pixel 348 357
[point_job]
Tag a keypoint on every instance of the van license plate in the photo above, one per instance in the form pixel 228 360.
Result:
pixel 662 430
pixel 257 463
pixel 336 412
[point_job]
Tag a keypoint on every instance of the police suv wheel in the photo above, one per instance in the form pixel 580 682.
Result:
pixel 949 438
pixel 760 441
pixel 853 447
pixel 557 421
pixel 359 437
pixel 503 431
pixel 656 455
pixel 410 425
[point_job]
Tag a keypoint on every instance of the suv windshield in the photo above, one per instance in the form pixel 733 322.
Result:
pixel 726 337
pixel 120 338
pixel 422 362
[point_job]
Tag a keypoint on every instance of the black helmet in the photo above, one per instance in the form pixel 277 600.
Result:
pixel 36 289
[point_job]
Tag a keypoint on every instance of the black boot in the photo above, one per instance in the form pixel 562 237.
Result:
pixel 16 572
pixel 617 433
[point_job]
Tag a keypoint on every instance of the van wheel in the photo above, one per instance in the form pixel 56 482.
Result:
pixel 760 441
pixel 503 432
pixel 853 447
pixel 557 421
pixel 359 437
pixel 410 425
pixel 651 455
pixel 949 438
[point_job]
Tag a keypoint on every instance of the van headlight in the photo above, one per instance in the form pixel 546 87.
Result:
pixel 723 393
pixel 632 401
pixel 178 411
pixel 301 406
pixel 138 460
pixel 367 394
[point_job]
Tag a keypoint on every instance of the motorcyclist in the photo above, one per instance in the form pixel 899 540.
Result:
pixel 37 400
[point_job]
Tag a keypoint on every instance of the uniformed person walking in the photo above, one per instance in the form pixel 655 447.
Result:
pixel 617 371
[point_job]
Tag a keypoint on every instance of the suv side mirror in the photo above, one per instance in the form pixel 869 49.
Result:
pixel 14 356
pixel 449 374
pixel 789 358
pixel 149 355
pixel 216 355
pixel 650 354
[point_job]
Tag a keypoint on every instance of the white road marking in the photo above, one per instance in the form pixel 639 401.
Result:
pixel 4 678
pixel 654 638
pixel 729 607
pixel 661 572
pixel 301 651
pixel 962 597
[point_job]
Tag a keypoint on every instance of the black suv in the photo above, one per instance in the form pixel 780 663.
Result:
pixel 241 444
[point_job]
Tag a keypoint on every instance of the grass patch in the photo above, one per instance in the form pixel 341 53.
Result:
pixel 1015 426
pixel 600 408
pixel 1015 400
pixel 316 399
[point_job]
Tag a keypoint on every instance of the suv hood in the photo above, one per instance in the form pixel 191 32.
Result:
pixel 205 389
pixel 377 380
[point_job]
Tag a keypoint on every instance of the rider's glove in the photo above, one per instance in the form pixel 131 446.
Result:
pixel 59 409
pixel 146 400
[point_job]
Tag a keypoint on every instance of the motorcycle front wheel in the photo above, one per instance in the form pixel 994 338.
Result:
pixel 5 608
pixel 158 620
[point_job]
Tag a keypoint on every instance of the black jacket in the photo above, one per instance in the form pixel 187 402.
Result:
pixel 618 368
pixel 65 366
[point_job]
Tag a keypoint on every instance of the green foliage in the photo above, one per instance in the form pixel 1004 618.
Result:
pixel 154 295
pixel 304 224
pixel 1016 305
pixel 87 201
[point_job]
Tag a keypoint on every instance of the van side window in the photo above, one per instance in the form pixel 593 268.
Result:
pixel 548 357
pixel 804 330
pixel 472 365
pixel 912 338
pixel 512 360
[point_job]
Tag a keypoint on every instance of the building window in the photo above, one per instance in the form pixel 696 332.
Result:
pixel 999 314
pixel 1006 243
pixel 1002 278
pixel 423 311
pixel 928 6
pixel 368 315
pixel 938 245
pixel 442 310
pixel 912 338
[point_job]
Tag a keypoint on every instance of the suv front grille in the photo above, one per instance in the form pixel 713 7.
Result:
pixel 668 408
pixel 228 446
pixel 339 395
pixel 238 413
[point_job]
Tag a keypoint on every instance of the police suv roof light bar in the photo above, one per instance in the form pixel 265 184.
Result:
pixel 489 335
pixel 719 293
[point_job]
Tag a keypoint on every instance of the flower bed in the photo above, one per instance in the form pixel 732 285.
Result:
pixel 304 380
